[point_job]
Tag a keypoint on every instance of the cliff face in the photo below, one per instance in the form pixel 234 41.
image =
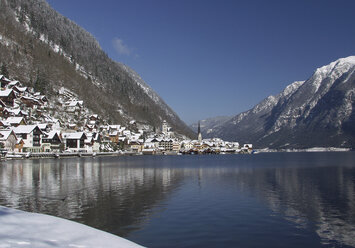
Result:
pixel 317 112
pixel 37 44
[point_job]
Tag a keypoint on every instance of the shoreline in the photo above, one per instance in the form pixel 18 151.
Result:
pixel 28 155
pixel 311 149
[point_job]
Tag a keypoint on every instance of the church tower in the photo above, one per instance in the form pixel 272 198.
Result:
pixel 199 132
pixel 164 127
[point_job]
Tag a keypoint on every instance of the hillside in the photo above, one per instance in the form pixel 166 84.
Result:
pixel 47 51
pixel 209 124
pixel 317 112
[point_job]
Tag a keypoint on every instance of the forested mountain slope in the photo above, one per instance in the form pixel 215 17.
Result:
pixel 46 50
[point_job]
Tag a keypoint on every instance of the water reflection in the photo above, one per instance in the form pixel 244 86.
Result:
pixel 320 197
pixel 314 192
pixel 106 196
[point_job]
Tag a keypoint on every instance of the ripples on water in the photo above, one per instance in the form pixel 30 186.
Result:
pixel 263 200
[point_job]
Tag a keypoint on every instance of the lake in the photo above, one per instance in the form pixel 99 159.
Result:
pixel 261 200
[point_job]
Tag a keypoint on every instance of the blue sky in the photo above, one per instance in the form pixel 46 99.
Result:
pixel 209 58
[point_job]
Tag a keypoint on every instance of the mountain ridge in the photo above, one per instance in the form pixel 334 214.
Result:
pixel 317 112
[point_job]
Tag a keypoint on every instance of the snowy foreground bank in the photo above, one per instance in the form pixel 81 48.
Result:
pixel 23 229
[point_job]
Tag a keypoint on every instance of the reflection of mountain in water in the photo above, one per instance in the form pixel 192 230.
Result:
pixel 320 198
pixel 313 192
pixel 112 197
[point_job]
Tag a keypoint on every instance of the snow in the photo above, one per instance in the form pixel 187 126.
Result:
pixel 4 134
pixel 290 89
pixel 14 120
pixel 334 70
pixel 5 93
pixel 23 229
pixel 24 129
pixel 76 135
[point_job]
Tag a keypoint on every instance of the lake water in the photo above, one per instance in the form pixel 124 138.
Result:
pixel 261 200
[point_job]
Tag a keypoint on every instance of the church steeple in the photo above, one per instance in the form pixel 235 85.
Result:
pixel 199 132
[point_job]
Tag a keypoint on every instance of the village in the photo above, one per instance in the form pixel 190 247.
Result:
pixel 33 126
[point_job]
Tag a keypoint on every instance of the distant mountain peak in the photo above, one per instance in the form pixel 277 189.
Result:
pixel 336 68
pixel 317 112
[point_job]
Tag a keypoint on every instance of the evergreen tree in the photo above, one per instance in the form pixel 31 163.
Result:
pixel 40 83
pixel 4 70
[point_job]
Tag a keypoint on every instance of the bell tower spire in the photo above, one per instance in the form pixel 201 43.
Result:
pixel 199 132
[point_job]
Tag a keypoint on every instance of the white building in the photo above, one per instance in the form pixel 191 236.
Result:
pixel 9 139
pixel 74 142
pixel 31 135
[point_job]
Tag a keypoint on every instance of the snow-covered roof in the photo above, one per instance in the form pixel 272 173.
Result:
pixel 2 77
pixel 15 111
pixel 21 89
pixel 152 140
pixel 31 99
pixel 13 83
pixel 5 93
pixel 5 123
pixel 75 103
pixel 14 120
pixel 77 135
pixel 4 134
pixel 8 110
pixel 51 134
pixel 43 126
pixel 24 129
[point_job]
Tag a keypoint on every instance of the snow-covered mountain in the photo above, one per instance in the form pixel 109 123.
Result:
pixel 209 124
pixel 37 44
pixel 317 112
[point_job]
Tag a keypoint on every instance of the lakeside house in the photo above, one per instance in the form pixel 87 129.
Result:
pixel 74 142
pixel 31 136
pixel 53 141
pixel 8 139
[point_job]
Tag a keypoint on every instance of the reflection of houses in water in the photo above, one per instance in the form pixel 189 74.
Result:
pixel 86 190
